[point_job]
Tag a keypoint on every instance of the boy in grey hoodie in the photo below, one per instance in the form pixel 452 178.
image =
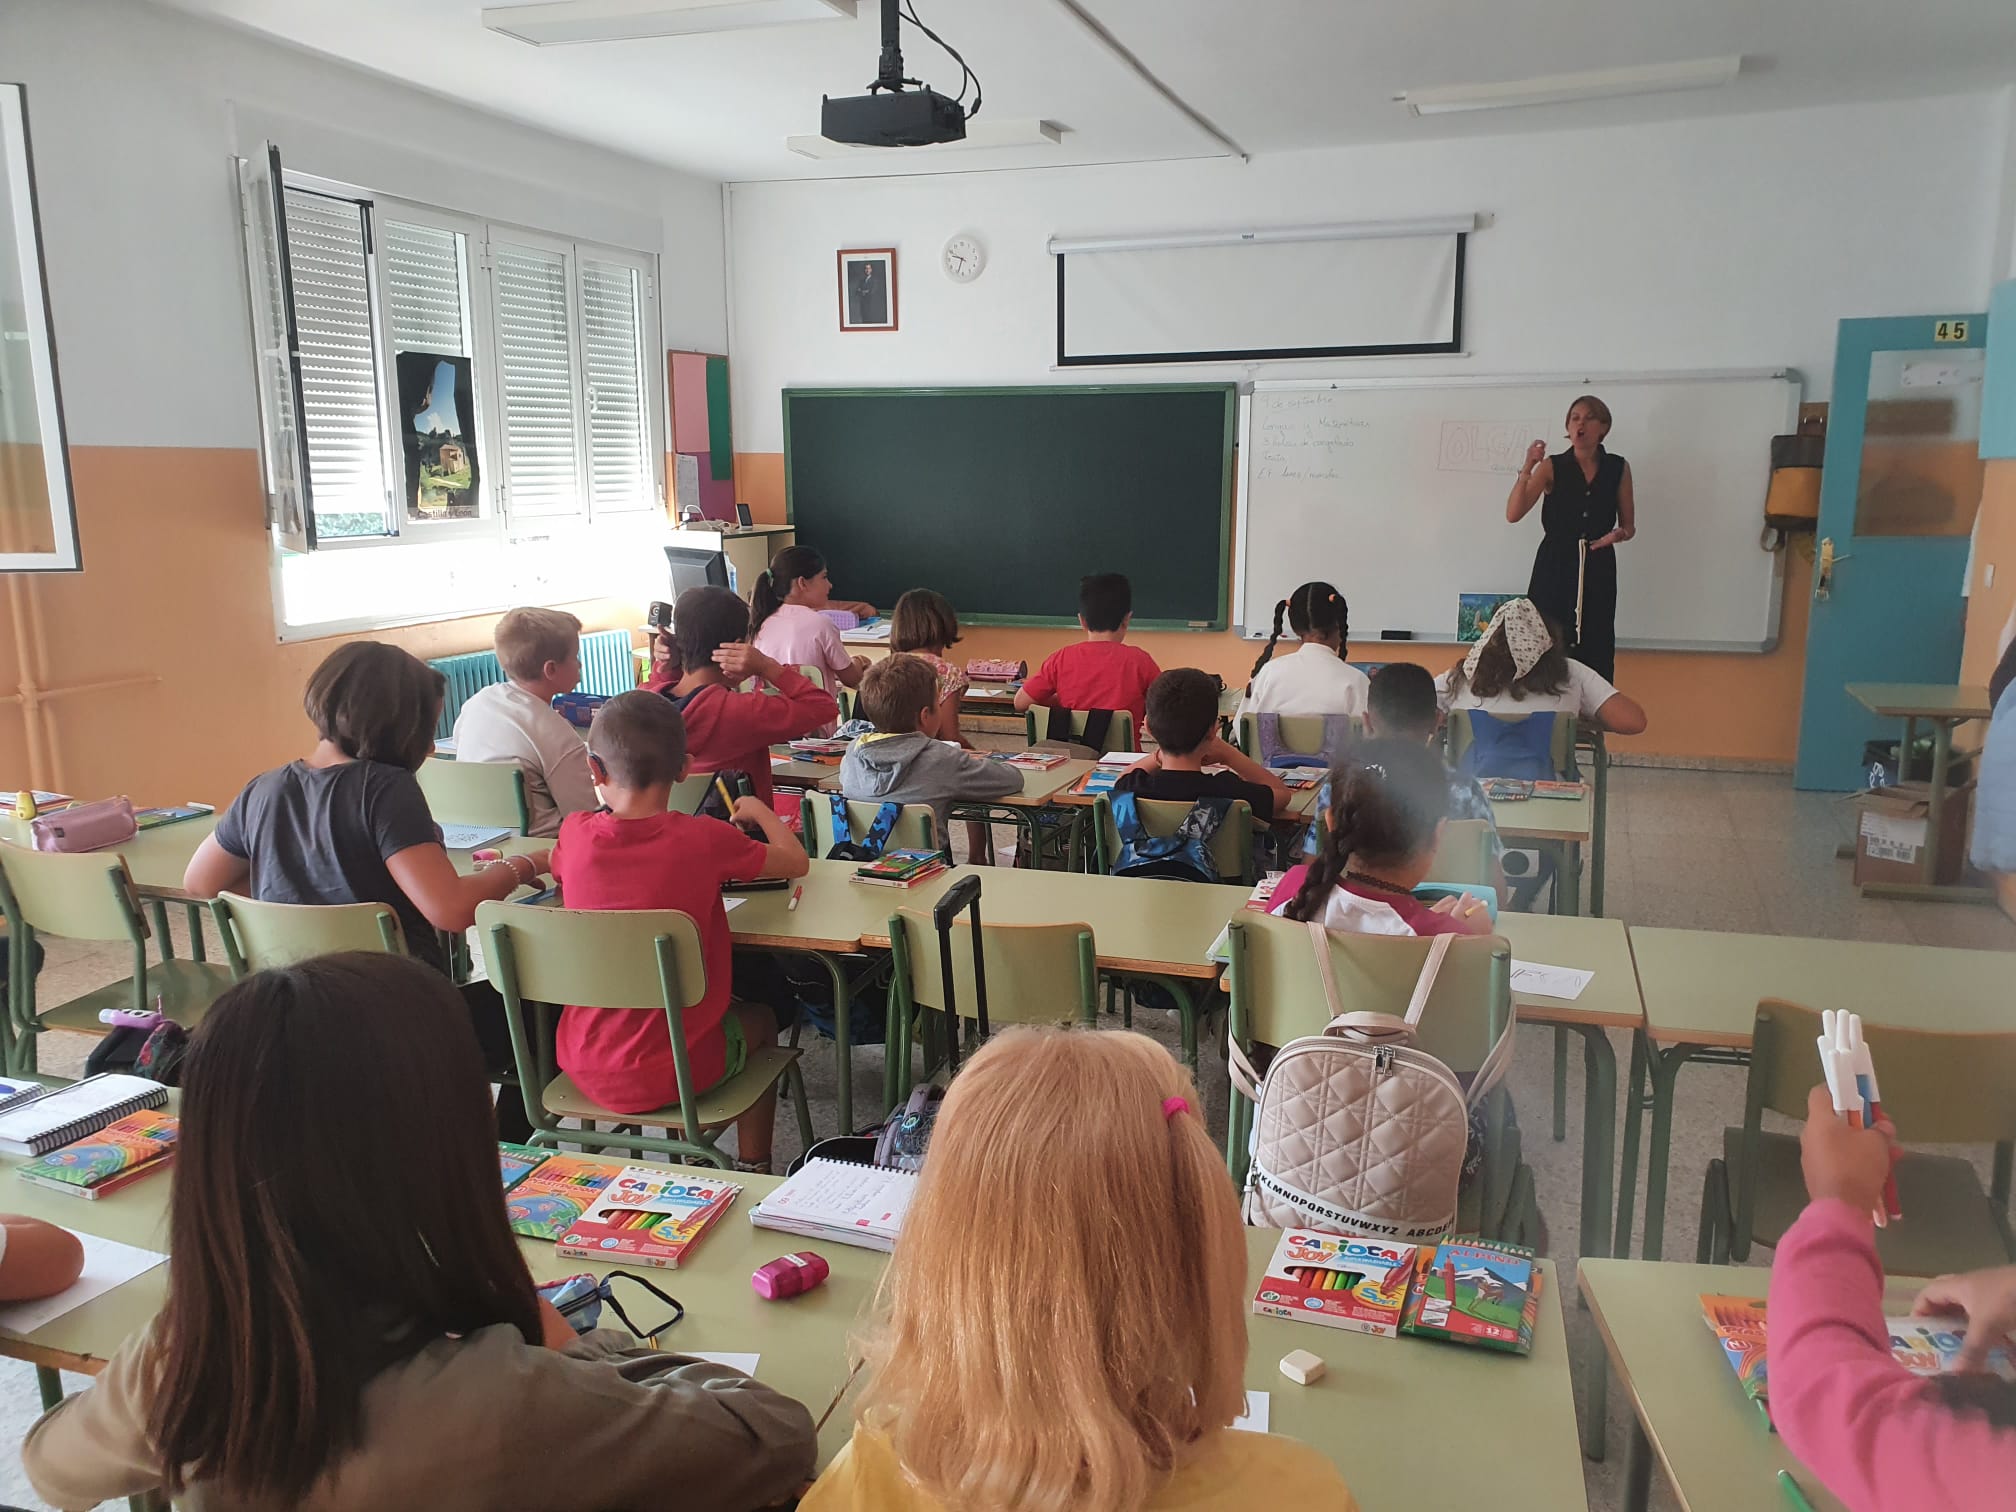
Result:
pixel 904 761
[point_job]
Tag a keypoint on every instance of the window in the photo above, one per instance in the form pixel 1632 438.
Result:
pixel 428 377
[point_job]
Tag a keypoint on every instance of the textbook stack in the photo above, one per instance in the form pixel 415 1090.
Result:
pixel 902 868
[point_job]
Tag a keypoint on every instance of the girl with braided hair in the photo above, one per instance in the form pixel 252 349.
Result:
pixel 1316 680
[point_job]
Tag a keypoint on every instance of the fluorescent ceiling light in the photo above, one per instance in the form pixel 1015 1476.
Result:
pixel 561 21
pixel 980 135
pixel 1561 89
pixel 1437 225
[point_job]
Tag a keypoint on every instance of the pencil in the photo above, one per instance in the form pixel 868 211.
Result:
pixel 1793 1495
pixel 727 798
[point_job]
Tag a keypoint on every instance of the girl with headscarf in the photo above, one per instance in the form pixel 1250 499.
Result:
pixel 1520 666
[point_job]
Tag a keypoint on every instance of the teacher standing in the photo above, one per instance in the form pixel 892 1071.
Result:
pixel 1589 511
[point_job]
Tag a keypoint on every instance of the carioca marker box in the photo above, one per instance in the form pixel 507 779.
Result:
pixel 1338 1281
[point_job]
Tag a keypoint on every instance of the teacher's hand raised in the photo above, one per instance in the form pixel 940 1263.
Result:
pixel 1536 454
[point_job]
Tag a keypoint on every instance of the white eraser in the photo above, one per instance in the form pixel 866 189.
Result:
pixel 1302 1367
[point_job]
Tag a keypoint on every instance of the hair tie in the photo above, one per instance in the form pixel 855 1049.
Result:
pixel 1171 1106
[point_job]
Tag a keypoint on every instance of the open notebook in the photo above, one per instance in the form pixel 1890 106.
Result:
pixel 833 1200
pixel 57 1118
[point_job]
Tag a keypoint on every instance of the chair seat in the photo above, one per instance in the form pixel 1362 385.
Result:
pixel 186 990
pixel 719 1105
pixel 1949 1223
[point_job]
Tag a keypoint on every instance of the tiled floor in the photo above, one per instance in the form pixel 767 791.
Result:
pixel 1687 849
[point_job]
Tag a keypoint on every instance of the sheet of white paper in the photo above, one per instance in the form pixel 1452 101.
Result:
pixel 729 904
pixel 107 1263
pixel 1258 1409
pixel 1563 982
pixel 471 836
pixel 746 1363
pixel 1122 758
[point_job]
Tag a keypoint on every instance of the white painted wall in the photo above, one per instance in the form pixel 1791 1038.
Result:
pixel 135 112
pixel 1733 242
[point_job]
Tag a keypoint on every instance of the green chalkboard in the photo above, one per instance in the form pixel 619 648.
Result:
pixel 1002 498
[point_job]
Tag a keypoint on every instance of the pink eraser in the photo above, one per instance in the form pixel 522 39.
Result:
pixel 789 1275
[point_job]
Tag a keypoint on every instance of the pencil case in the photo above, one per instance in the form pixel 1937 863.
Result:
pixel 995 669
pixel 86 826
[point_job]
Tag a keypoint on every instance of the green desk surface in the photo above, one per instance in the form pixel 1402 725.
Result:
pixel 156 857
pixel 1703 988
pixel 1567 819
pixel 832 916
pixel 1922 700
pixel 802 773
pixel 1599 945
pixel 803 1342
pixel 1157 928
pixel 1714 1449
pixel 1413 1424
pixel 1039 788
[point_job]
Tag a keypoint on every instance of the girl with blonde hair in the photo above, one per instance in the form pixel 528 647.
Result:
pixel 1064 1321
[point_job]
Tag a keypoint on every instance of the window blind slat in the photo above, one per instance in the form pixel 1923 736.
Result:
pixel 619 470
pixel 538 380
pixel 423 271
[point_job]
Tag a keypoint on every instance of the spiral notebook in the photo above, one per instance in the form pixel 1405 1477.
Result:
pixel 839 1201
pixel 95 1103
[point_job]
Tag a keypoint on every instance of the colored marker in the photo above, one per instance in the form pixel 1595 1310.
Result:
pixel 796 893
pixel 1793 1495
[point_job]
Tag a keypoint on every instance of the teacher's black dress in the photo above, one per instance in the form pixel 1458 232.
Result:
pixel 1579 509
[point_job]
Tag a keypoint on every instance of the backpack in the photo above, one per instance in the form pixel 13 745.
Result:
pixel 870 846
pixel 1357 1130
pixel 1522 748
pixel 1274 752
pixel 1182 856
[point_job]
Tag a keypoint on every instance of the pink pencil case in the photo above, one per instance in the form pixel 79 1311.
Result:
pixel 86 826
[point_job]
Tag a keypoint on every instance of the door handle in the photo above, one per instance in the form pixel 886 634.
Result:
pixel 1823 568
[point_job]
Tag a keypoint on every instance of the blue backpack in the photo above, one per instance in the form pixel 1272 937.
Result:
pixel 1522 748
pixel 1183 856
pixel 870 846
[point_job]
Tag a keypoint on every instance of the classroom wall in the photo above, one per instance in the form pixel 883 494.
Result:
pixel 135 111
pixel 1735 242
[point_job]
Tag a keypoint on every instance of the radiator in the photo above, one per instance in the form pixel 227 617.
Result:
pixel 607 667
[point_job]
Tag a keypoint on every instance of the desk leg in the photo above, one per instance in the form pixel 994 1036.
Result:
pixel 1665 1065
pixel 1637 1469
pixel 50 1384
pixel 1560 1083
pixel 1599 1125
pixel 1598 838
pixel 1627 1173
pixel 1596 1400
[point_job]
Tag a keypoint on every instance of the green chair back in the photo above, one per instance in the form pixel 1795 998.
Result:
pixel 486 793
pixel 821 678
pixel 1465 853
pixel 1560 749
pixel 1119 733
pixel 86 896
pixel 260 936
pixel 1299 732
pixel 1231 845
pixel 916 827
pixel 1035 972
pixel 689 794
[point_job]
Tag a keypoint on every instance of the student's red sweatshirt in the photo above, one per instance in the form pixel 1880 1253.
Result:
pixel 1873 1433
pixel 730 731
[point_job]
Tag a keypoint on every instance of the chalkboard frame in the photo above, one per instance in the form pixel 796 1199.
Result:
pixel 1222 602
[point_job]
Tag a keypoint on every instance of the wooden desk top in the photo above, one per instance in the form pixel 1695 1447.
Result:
pixel 1702 987
pixel 1922 700
pixel 1599 945
pixel 1567 819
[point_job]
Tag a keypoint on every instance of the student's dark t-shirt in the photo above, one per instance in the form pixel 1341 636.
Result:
pixel 1188 787
pixel 323 834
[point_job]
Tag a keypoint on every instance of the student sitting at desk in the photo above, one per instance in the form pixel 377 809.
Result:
pixel 923 624
pixel 906 759
pixel 348 824
pixel 1102 671
pixel 1520 667
pixel 350 1325
pixel 1401 706
pixel 540 651
pixel 1183 718
pixel 727 731
pixel 786 625
pixel 1077 1340
pixel 1316 680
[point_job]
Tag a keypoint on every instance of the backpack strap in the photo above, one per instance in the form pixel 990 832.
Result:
pixel 1098 722
pixel 884 825
pixel 843 829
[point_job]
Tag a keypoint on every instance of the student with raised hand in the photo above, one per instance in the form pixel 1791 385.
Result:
pixel 1521 666
pixel 348 823
pixel 785 622
pixel 1118 1392
pixel 350 1325
pixel 1315 680
pixel 1879 1437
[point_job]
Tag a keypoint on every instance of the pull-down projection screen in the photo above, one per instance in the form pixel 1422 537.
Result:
pixel 1246 296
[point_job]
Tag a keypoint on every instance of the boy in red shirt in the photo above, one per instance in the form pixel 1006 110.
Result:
pixel 1102 671
pixel 727 731
pixel 634 854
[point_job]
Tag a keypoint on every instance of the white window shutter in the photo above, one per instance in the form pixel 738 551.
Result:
pixel 535 358
pixel 424 303
pixel 285 458
pixel 342 418
pixel 620 475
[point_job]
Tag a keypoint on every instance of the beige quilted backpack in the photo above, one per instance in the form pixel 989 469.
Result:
pixel 1357 1129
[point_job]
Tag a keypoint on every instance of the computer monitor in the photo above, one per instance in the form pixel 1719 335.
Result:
pixel 695 567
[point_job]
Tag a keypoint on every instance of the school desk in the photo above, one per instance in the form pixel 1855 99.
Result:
pixel 1561 827
pixel 1610 1001
pixel 1701 992
pixel 802 1342
pixel 1945 709
pixel 1689 1415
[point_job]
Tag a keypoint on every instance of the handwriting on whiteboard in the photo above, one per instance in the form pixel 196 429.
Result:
pixel 1486 446
pixel 1297 440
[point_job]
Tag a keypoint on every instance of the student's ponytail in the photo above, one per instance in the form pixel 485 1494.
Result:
pixel 1267 655
pixel 773 585
pixel 1312 609
pixel 764 599
pixel 1333 857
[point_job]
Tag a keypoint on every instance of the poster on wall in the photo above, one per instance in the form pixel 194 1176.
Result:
pixel 437 406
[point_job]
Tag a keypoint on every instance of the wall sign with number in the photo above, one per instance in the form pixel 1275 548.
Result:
pixel 1950 330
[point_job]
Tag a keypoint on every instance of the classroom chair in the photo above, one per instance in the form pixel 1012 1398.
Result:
pixel 1942 1089
pixel 260 936
pixel 489 794
pixel 1119 733
pixel 645 961
pixel 1464 854
pixel 1277 995
pixel 1035 972
pixel 821 678
pixel 1460 735
pixel 916 826
pixel 688 794
pixel 86 897
pixel 1302 732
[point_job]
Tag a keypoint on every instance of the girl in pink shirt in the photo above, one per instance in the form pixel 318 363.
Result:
pixel 787 626
pixel 1874 1434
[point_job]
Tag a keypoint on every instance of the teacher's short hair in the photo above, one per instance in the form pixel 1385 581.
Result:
pixel 1595 407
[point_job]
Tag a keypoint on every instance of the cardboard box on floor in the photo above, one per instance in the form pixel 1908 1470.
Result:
pixel 1891 827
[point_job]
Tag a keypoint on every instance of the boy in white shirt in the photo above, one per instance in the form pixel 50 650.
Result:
pixel 540 650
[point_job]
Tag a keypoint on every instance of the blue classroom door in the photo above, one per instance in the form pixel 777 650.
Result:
pixel 1898 495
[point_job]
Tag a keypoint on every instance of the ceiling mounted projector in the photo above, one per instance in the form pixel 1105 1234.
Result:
pixel 900 112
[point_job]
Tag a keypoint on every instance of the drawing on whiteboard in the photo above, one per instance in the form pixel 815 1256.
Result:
pixel 1487 446
pixel 1474 611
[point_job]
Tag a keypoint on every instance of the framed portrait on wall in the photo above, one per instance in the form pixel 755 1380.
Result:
pixel 868 289
pixel 38 514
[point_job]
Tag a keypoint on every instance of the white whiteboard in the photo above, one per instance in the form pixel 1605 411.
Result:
pixel 1395 492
